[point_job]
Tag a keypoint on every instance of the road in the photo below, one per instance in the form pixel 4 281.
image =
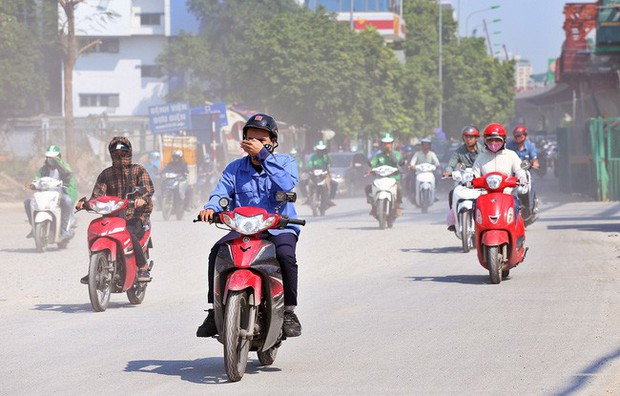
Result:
pixel 394 312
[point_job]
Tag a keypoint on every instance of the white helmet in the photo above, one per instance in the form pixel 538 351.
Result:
pixel 177 153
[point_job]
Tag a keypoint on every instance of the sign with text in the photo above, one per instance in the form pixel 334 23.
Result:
pixel 170 117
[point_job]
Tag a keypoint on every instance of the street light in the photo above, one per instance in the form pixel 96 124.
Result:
pixel 475 29
pixel 477 12
pixel 439 28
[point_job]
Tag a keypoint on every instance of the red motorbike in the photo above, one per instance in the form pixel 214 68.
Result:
pixel 112 266
pixel 500 233
pixel 248 289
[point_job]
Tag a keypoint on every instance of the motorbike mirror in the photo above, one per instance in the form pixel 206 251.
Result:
pixel 283 196
pixel 525 164
pixel 138 190
pixel 224 202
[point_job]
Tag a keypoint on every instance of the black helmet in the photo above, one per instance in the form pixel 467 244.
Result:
pixel 264 122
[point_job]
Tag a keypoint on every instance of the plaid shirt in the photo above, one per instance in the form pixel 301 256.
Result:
pixel 118 180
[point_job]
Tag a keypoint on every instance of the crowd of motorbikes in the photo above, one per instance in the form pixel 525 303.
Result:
pixel 249 300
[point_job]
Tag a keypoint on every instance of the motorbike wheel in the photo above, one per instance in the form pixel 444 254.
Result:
pixel 494 263
pixel 464 219
pixel 382 213
pixel 41 235
pixel 425 199
pixel 267 357
pixel 167 205
pixel 314 203
pixel 236 344
pixel 135 295
pixel 99 281
pixel 180 210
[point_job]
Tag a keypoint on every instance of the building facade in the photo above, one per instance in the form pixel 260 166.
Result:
pixel 523 73
pixel 118 75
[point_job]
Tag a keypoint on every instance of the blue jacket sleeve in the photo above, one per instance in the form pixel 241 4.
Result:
pixel 225 188
pixel 281 169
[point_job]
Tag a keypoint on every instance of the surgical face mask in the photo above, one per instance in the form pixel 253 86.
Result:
pixel 51 162
pixel 495 146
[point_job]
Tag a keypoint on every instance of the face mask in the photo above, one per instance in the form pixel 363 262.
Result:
pixel 495 146
pixel 119 154
pixel 51 162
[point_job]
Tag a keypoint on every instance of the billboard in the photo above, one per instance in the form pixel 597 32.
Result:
pixel 169 117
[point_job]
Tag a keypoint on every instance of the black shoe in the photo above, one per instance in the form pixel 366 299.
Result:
pixel 144 275
pixel 208 327
pixel 84 280
pixel 30 234
pixel 451 228
pixel 291 326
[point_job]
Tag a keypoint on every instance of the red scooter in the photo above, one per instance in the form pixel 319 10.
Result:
pixel 500 233
pixel 112 266
pixel 248 289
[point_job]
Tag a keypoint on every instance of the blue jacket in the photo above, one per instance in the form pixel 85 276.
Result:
pixel 529 150
pixel 245 187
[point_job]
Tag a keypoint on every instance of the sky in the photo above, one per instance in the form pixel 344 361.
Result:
pixel 531 29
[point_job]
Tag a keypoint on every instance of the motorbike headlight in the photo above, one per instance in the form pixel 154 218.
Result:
pixel 107 207
pixel 493 181
pixel 467 177
pixel 248 225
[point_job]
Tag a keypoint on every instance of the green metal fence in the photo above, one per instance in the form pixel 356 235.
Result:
pixel 605 141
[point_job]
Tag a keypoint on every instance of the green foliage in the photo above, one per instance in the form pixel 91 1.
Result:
pixel 21 86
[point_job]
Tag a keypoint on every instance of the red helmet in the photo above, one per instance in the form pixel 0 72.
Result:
pixel 471 130
pixel 495 130
pixel 520 129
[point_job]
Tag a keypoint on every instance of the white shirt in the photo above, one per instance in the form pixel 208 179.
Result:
pixel 504 161
pixel 420 158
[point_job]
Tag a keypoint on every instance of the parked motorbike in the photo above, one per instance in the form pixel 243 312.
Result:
pixel 425 185
pixel 45 212
pixel 112 267
pixel 174 188
pixel 528 203
pixel 318 195
pixel 463 202
pixel 384 195
pixel 248 293
pixel 500 233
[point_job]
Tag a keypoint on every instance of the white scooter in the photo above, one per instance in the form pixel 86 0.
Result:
pixel 384 195
pixel 45 212
pixel 528 203
pixel 463 200
pixel 425 185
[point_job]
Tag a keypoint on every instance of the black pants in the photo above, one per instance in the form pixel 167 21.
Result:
pixel 285 254
pixel 136 230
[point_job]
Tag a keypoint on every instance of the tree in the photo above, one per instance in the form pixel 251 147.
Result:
pixel 22 88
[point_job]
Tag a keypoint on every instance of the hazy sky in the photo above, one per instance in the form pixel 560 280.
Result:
pixel 529 28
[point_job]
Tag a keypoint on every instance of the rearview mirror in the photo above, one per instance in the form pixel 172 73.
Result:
pixel 525 164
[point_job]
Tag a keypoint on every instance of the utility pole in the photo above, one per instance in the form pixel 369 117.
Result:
pixel 486 31
pixel 439 28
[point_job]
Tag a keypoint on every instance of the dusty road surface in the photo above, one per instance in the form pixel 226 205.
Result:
pixel 394 312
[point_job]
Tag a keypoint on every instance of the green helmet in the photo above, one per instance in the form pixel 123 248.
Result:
pixel 387 138
pixel 53 152
pixel 320 145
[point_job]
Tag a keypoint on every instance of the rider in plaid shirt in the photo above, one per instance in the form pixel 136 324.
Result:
pixel 119 180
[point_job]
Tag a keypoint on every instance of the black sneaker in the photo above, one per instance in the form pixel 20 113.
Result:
pixel 30 234
pixel 84 280
pixel 144 275
pixel 291 326
pixel 452 228
pixel 208 327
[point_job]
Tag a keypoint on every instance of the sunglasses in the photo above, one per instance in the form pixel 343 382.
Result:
pixel 517 135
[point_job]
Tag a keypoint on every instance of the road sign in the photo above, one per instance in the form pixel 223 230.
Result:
pixel 169 117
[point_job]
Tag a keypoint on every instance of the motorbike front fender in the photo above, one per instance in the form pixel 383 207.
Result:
pixel 243 279
pixel 40 217
pixel 465 206
pixel 383 195
pixel 103 244
pixel 495 238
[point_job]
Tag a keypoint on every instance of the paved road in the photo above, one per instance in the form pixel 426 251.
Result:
pixel 400 311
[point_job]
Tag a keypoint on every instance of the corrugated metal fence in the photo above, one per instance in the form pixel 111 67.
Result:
pixel 605 140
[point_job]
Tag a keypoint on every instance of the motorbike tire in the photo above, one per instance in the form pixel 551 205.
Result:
pixel 494 264
pixel 425 199
pixel 382 213
pixel 464 218
pixel 266 358
pixel 314 202
pixel 180 210
pixel 41 235
pixel 135 295
pixel 236 322
pixel 167 205
pixel 99 281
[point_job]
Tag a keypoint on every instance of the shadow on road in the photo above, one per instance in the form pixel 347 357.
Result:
pixel 199 371
pixel 464 279
pixel 582 378
pixel 23 250
pixel 599 227
pixel 445 249
pixel 77 308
